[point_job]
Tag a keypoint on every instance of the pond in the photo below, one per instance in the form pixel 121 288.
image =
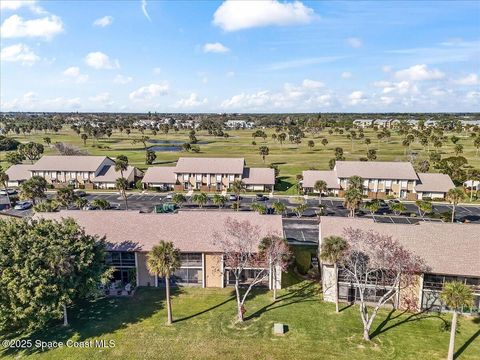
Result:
pixel 169 145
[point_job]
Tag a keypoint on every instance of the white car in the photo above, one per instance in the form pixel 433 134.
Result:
pixel 6 192
pixel 23 205
pixel 169 196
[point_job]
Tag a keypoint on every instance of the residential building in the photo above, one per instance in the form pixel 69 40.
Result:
pixel 209 174
pixel 381 179
pixel 131 235
pixel 17 174
pixel 450 252
pixel 79 171
pixel 239 124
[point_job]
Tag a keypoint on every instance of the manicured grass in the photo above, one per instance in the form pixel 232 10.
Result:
pixel 204 328
pixel 291 159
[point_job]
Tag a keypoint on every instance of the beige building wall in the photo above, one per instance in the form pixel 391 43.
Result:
pixel 213 270
pixel 143 276
pixel 410 297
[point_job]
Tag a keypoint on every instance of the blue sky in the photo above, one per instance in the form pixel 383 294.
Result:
pixel 213 56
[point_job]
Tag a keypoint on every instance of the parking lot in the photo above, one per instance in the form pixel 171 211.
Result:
pixel 303 230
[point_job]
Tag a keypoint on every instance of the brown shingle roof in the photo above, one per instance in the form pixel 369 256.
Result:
pixel 190 230
pixel 310 177
pixel 376 170
pixel 159 175
pixel 434 182
pixel 19 172
pixel 258 176
pixel 450 249
pixel 210 165
pixel 68 163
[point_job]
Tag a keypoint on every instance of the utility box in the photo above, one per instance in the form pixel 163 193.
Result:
pixel 279 329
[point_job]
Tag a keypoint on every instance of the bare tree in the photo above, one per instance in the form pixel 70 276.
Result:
pixel 239 244
pixel 376 263
pixel 68 150
pixel 275 250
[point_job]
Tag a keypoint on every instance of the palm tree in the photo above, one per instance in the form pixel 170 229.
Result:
pixel 121 164
pixel 279 208
pixel 200 199
pixel 178 199
pixel 355 182
pixel 455 295
pixel 353 199
pixel 4 181
pixel 320 186
pixel 84 138
pixel 372 206
pixel 219 200
pixel 238 187
pixel 80 202
pixel 332 250
pixel 424 207
pixel 263 152
pixel 454 196
pixel 163 260
pixel 121 184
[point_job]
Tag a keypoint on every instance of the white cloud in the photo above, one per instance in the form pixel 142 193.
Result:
pixel 356 97
pixel 419 72
pixel 102 99
pixel 45 27
pixel 61 103
pixel 122 79
pixel 26 102
pixel 215 48
pixel 144 9
pixel 310 94
pixel 20 53
pixel 157 71
pixel 103 21
pixel 470 79
pixel 346 75
pixel 402 87
pixel 355 42
pixel 312 84
pixel 238 15
pixel 386 68
pixel 74 73
pixel 303 62
pixel 17 4
pixel 99 60
pixel 149 92
pixel 191 101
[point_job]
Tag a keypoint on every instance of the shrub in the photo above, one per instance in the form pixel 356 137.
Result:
pixel 139 185
pixel 303 260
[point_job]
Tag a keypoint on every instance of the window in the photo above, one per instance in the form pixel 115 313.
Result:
pixel 120 258
pixel 185 177
pixel 85 176
pixel 231 177
pixel 219 177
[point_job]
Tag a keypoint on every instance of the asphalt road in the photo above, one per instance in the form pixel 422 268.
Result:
pixel 302 230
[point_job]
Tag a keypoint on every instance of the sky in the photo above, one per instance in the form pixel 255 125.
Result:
pixel 240 56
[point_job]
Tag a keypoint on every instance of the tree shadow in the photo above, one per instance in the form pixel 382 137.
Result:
pixel 382 327
pixel 467 343
pixel 346 307
pixel 305 293
pixel 89 319
pixel 206 310
pixel 282 184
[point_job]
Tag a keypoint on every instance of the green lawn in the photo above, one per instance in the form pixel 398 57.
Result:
pixel 204 328
pixel 292 160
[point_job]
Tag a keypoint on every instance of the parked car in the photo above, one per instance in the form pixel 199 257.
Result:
pixel 90 207
pixel 23 205
pixel 6 192
pixel 114 206
pixel 393 201
pixel 80 193
pixel 261 197
pixel 169 196
pixel 232 197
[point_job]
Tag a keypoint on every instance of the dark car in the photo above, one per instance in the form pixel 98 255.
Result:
pixel 80 193
pixel 261 197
